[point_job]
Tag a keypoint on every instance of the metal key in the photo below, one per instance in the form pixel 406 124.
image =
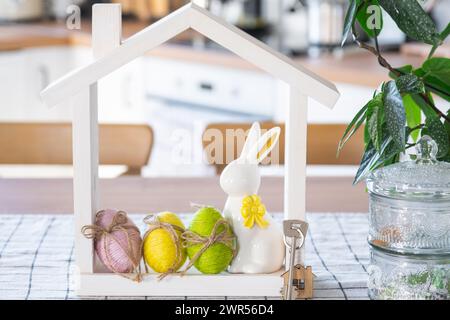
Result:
pixel 296 230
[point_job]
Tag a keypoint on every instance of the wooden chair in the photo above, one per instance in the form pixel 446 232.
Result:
pixel 323 141
pixel 51 144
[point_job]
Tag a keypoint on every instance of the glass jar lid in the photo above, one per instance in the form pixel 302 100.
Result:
pixel 425 179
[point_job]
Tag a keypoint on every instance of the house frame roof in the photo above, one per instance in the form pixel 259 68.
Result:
pixel 212 27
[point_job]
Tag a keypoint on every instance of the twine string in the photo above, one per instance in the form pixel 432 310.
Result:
pixel 118 224
pixel 226 237
pixel 153 224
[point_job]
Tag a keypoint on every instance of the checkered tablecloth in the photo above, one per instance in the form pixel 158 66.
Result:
pixel 36 256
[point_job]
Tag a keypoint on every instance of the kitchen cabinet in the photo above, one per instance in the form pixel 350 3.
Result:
pixel 12 86
pixel 122 95
pixel 23 75
pixel 43 66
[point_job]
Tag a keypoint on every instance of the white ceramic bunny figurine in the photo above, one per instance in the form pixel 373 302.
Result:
pixel 260 238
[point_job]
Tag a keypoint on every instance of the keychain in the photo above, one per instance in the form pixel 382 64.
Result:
pixel 296 230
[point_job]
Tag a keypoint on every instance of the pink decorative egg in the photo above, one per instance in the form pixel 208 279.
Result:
pixel 119 247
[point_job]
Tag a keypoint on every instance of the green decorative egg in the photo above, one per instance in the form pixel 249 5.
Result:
pixel 216 258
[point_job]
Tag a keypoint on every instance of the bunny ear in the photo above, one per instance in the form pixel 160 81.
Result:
pixel 252 140
pixel 265 145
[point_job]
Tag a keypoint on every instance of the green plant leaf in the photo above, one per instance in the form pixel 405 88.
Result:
pixel 426 109
pixel 438 87
pixel 370 155
pixel 410 83
pixel 436 75
pixel 433 83
pixel 353 127
pixel 373 160
pixel 349 19
pixel 394 159
pixel 371 105
pixel 370 18
pixel 390 151
pixel 413 115
pixel 438 67
pixel 367 138
pixel 404 70
pixel 412 20
pixel 438 132
pixel 375 121
pixel 419 72
pixel 394 113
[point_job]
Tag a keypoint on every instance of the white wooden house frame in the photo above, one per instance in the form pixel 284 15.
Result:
pixel 79 89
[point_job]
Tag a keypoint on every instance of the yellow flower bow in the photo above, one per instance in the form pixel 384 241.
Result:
pixel 253 211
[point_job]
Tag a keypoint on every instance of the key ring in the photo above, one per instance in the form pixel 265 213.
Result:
pixel 300 236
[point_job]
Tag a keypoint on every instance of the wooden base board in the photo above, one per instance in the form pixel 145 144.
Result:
pixel 223 285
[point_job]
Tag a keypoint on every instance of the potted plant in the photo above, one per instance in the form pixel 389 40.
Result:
pixel 402 109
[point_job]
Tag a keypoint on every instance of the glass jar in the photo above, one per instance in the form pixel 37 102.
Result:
pixel 409 228
pixel 394 276
pixel 410 204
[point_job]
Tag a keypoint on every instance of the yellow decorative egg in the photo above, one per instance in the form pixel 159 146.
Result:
pixel 161 252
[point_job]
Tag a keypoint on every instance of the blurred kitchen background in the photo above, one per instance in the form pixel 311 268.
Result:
pixel 185 86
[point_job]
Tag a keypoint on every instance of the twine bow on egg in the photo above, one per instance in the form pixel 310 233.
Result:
pixel 119 223
pixel 153 224
pixel 253 211
pixel 226 237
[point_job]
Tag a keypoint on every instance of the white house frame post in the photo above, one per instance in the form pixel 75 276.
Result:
pixel 106 29
pixel 106 36
pixel 295 171
pixel 85 164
